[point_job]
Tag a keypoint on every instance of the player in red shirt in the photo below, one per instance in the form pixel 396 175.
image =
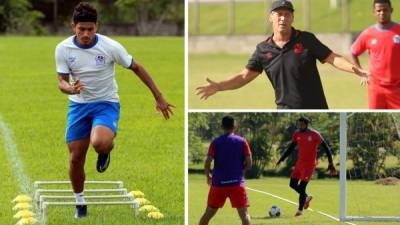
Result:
pixel 307 141
pixel 382 41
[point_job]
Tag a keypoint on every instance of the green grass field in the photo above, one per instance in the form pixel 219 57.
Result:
pixel 363 201
pixel 149 151
pixel 251 17
pixel 342 90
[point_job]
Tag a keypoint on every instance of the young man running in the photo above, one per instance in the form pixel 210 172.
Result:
pixel 88 58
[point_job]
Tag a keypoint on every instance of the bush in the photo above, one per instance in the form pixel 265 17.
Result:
pixel 16 16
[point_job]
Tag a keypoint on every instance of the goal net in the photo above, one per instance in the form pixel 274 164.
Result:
pixel 370 167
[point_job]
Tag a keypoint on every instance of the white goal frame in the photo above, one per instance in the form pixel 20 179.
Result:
pixel 343 182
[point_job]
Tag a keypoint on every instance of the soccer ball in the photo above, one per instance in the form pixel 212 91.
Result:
pixel 274 211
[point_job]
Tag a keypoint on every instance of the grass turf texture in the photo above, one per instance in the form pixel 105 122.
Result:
pixel 251 17
pixel 342 89
pixel 326 194
pixel 149 151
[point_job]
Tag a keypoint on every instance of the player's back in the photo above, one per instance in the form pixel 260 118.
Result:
pixel 229 156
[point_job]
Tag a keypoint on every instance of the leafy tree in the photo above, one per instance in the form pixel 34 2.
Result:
pixel 372 137
pixel 143 12
pixel 16 16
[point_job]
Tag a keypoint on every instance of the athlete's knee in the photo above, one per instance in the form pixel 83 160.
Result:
pixel 102 145
pixel 76 160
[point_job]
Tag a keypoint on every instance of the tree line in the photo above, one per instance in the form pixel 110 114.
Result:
pixel 33 16
pixel 372 139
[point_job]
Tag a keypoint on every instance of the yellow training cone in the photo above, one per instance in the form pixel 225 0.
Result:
pixel 142 201
pixel 137 194
pixel 22 198
pixel 155 215
pixel 22 206
pixel 148 208
pixel 26 221
pixel 24 214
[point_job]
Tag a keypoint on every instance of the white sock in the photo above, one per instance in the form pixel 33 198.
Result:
pixel 79 197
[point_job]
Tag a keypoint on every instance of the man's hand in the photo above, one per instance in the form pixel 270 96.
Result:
pixel 164 107
pixel 364 75
pixel 332 170
pixel 207 90
pixel 76 87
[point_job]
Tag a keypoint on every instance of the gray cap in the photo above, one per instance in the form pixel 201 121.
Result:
pixel 285 4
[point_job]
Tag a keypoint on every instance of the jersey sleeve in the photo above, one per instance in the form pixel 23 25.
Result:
pixel 254 62
pixel 246 148
pixel 317 48
pixel 61 60
pixel 121 56
pixel 359 46
pixel 294 137
pixel 211 150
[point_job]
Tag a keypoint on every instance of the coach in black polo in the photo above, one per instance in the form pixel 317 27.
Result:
pixel 288 57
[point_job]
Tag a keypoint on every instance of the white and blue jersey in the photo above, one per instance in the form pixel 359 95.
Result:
pixel 98 102
pixel 94 65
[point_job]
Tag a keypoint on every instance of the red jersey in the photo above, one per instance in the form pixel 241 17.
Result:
pixel 383 46
pixel 307 145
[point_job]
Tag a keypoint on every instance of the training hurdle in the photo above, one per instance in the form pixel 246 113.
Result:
pixel 46 197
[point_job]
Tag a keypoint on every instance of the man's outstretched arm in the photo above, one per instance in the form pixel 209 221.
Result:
pixel 235 82
pixel 288 151
pixel 161 104
pixel 341 63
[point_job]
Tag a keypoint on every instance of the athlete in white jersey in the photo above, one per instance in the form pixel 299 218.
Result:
pixel 88 59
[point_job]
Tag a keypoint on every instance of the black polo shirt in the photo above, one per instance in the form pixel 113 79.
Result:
pixel 292 70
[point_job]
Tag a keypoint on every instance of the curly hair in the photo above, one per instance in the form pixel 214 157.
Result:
pixel 84 12
pixel 383 2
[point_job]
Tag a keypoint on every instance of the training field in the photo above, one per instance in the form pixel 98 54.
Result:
pixel 371 200
pixel 342 90
pixel 149 151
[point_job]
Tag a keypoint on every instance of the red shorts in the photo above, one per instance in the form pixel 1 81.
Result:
pixel 303 173
pixel 236 194
pixel 383 97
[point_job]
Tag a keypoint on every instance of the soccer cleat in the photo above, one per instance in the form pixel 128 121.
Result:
pixel 307 203
pixel 298 213
pixel 81 211
pixel 103 160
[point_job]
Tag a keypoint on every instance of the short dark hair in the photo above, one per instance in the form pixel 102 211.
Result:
pixel 304 119
pixel 84 12
pixel 228 122
pixel 382 2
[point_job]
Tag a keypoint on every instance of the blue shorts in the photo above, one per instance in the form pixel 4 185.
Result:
pixel 82 117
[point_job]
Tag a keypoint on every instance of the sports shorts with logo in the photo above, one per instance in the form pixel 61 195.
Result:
pixel 82 117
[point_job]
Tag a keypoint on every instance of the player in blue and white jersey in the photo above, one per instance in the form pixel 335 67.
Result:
pixel 85 66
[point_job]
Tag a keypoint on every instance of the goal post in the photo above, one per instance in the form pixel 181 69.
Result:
pixel 343 178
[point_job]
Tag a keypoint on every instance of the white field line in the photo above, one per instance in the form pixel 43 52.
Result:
pixel 294 203
pixel 16 164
